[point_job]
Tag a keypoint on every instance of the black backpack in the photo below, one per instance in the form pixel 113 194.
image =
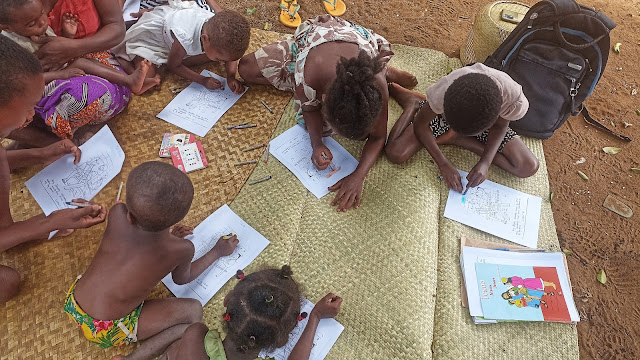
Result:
pixel 557 53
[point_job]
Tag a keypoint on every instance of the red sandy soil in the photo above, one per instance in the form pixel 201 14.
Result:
pixel 597 238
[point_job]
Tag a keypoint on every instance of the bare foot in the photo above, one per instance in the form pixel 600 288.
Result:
pixel 403 78
pixel 70 25
pixel 137 78
pixel 149 84
pixel 406 98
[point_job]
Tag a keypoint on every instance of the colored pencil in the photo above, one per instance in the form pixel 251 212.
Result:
pixel 119 192
pixel 266 157
pixel 260 180
pixel 80 205
pixel 233 126
pixel 245 126
pixel 246 162
pixel 267 106
pixel 254 147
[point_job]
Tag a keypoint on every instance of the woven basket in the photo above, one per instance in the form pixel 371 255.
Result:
pixel 489 31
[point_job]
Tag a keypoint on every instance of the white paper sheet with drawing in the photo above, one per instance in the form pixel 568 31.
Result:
pixel 497 210
pixel 327 334
pixel 222 222
pixel 196 109
pixel 293 149
pixel 62 181
pixel 130 6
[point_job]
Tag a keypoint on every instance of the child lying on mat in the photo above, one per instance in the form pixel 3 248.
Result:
pixel 262 310
pixel 136 252
pixel 26 23
pixel 471 108
pixel 169 34
pixel 22 86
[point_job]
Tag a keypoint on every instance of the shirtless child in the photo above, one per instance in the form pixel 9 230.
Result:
pixel 136 252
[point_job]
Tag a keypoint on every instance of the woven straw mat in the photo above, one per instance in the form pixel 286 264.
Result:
pixel 33 325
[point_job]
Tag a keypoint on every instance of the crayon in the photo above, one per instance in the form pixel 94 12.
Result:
pixel 233 126
pixel 80 205
pixel 254 147
pixel 244 126
pixel 246 162
pixel 119 192
pixel 267 106
pixel 260 180
pixel 266 157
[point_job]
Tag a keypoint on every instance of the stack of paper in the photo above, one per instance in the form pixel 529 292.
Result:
pixel 517 285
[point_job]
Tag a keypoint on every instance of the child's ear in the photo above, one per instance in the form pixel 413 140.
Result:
pixel 204 38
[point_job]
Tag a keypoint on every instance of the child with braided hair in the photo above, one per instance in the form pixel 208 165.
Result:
pixel 262 310
pixel 344 89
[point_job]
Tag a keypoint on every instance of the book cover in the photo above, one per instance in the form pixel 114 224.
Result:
pixel 526 293
pixel 170 140
pixel 189 157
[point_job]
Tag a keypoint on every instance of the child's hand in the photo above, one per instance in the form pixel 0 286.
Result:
pixel 68 73
pixel 317 158
pixel 78 218
pixel 226 245
pixel 235 85
pixel 57 150
pixel 211 83
pixel 478 174
pixel 349 192
pixel 181 231
pixel 451 177
pixel 327 307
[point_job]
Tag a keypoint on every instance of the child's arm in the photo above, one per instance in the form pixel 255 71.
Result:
pixel 189 271
pixel 424 134
pixel 46 155
pixel 234 84
pixel 327 307
pixel 479 172
pixel 175 65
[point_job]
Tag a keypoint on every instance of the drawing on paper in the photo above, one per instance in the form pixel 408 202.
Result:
pixel 207 100
pixel 487 203
pixel 87 177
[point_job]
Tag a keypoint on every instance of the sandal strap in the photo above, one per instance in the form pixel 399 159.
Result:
pixel 333 3
pixel 293 14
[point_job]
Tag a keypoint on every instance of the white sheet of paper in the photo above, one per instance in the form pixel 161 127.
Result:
pixel 130 6
pixel 293 149
pixel 222 222
pixel 497 210
pixel 196 109
pixel 326 335
pixel 62 181
pixel 471 255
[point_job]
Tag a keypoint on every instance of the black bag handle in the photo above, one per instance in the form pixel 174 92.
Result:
pixel 564 42
pixel 597 125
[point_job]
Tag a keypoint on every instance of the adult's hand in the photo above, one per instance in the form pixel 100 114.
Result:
pixel 54 52
pixel 57 150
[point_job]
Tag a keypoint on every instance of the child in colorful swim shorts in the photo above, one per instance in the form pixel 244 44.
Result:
pixel 137 250
pixel 26 23
pixel 182 34
pixel 21 88
pixel 262 309
pixel 470 108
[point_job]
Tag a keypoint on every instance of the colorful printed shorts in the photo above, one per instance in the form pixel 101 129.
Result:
pixel 103 333
pixel 440 126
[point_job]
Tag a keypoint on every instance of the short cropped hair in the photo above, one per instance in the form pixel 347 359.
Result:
pixel 158 195
pixel 7 9
pixel 17 67
pixel 228 31
pixel 354 101
pixel 472 103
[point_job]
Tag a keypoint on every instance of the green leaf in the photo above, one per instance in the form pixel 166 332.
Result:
pixel 567 252
pixel 635 170
pixel 602 276
pixel 638 112
pixel 551 196
pixel 251 11
pixel 616 48
pixel 583 175
pixel 611 150
pixel 266 25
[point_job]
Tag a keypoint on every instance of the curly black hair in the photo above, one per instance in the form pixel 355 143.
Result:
pixel 354 102
pixel 228 31
pixel 263 309
pixel 472 103
pixel 17 67
pixel 158 195
pixel 7 8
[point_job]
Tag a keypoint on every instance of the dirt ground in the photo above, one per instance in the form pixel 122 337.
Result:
pixel 597 238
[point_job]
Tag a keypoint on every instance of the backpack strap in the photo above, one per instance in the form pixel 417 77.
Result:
pixel 597 125
pixel 563 7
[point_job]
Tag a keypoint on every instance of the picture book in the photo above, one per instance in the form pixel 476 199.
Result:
pixel 527 293
pixel 327 334
pixel 189 157
pixel 498 210
pixel 170 140
pixel 205 236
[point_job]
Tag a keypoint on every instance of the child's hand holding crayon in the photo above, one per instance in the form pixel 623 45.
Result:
pixel 321 157
pixel 82 217
pixel 225 245
pixel 327 307
pixel 180 230
pixel 211 83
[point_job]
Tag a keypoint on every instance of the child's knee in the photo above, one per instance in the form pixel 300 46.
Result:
pixel 395 154
pixel 196 331
pixel 9 283
pixel 528 167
